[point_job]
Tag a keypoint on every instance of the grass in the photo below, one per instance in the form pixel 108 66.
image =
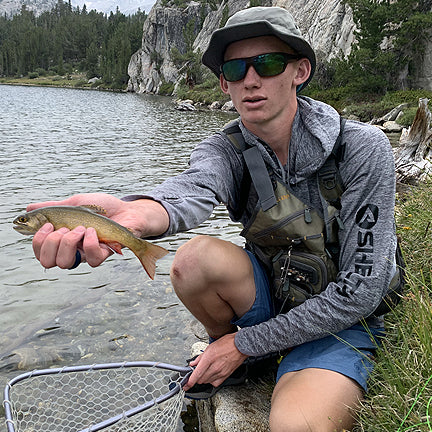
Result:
pixel 369 106
pixel 207 92
pixel 400 397
pixel 75 80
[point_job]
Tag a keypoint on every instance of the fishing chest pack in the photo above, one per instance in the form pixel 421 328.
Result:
pixel 299 248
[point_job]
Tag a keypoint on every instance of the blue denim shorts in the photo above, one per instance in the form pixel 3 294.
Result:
pixel 349 352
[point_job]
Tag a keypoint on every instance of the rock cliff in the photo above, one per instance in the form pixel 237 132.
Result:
pixel 12 7
pixel 328 25
pixel 163 29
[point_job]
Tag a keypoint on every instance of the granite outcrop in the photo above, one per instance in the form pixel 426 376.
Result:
pixel 328 25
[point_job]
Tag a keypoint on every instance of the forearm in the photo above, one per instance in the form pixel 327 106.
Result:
pixel 189 198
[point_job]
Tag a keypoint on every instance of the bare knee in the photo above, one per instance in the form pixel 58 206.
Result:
pixel 207 265
pixel 210 255
pixel 188 258
pixel 195 264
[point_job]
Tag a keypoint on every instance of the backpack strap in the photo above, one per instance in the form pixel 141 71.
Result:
pixel 233 132
pixel 329 179
pixel 260 177
pixel 256 166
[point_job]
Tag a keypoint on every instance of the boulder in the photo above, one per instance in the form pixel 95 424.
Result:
pixel 216 105
pixel 242 408
pixel 186 105
pixel 228 106
pixel 392 127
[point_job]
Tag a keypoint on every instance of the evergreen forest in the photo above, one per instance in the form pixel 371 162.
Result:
pixel 390 41
pixel 68 39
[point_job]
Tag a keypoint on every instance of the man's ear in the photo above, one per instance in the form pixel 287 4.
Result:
pixel 303 71
pixel 223 84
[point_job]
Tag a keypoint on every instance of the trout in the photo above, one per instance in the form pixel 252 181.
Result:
pixel 109 232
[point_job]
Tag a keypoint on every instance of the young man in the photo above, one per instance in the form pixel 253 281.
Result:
pixel 269 297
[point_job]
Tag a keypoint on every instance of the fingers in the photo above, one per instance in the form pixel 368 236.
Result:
pixel 66 252
pixel 57 248
pixel 95 252
pixel 40 237
pixel 206 372
pixel 213 371
pixel 219 360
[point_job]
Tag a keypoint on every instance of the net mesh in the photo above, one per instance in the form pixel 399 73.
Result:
pixel 81 400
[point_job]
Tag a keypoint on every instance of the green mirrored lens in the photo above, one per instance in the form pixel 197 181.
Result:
pixel 234 70
pixel 266 65
pixel 269 64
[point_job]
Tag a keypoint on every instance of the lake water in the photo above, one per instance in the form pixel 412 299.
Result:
pixel 58 142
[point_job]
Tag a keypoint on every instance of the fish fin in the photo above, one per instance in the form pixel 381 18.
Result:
pixel 115 246
pixel 95 209
pixel 148 255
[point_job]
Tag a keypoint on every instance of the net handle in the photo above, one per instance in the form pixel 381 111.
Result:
pixel 182 370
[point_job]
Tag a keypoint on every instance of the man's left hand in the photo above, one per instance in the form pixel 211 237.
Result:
pixel 220 359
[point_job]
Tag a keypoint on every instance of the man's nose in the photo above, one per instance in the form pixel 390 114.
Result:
pixel 251 77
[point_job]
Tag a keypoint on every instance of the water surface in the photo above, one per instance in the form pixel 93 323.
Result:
pixel 58 142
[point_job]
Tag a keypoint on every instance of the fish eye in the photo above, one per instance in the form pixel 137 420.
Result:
pixel 22 219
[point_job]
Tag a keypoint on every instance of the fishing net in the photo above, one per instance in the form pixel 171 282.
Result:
pixel 131 396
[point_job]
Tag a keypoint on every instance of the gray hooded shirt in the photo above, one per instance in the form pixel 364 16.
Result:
pixel 367 242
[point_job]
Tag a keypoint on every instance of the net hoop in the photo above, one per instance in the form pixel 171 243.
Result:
pixel 183 371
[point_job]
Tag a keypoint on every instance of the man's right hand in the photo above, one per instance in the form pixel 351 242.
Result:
pixel 144 217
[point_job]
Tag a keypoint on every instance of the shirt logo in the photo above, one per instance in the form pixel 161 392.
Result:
pixel 367 216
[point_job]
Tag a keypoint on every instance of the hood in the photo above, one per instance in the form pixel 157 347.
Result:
pixel 315 131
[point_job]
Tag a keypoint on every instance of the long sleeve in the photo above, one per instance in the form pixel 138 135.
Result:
pixel 368 243
pixel 213 177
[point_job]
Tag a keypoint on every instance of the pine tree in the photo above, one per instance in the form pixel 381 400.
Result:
pixel 391 37
pixel 66 38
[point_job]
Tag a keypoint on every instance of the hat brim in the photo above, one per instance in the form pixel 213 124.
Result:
pixel 213 57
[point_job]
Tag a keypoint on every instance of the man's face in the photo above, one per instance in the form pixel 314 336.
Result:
pixel 260 100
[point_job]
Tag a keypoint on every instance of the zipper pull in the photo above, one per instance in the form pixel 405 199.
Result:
pixel 307 215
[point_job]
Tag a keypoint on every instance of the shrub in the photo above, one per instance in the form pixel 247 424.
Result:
pixel 166 88
pixel 408 116
pixel 41 71
pixel 80 83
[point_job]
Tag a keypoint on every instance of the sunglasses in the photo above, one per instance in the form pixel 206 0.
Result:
pixel 265 65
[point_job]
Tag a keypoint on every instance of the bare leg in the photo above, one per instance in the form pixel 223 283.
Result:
pixel 214 280
pixel 314 400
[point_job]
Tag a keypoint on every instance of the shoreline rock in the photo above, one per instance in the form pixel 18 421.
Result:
pixel 242 408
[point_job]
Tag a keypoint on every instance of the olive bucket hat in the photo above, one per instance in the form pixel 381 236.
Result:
pixel 254 22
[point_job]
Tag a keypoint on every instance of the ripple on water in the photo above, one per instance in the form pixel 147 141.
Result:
pixel 58 142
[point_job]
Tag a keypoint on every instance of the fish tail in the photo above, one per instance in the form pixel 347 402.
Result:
pixel 148 256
